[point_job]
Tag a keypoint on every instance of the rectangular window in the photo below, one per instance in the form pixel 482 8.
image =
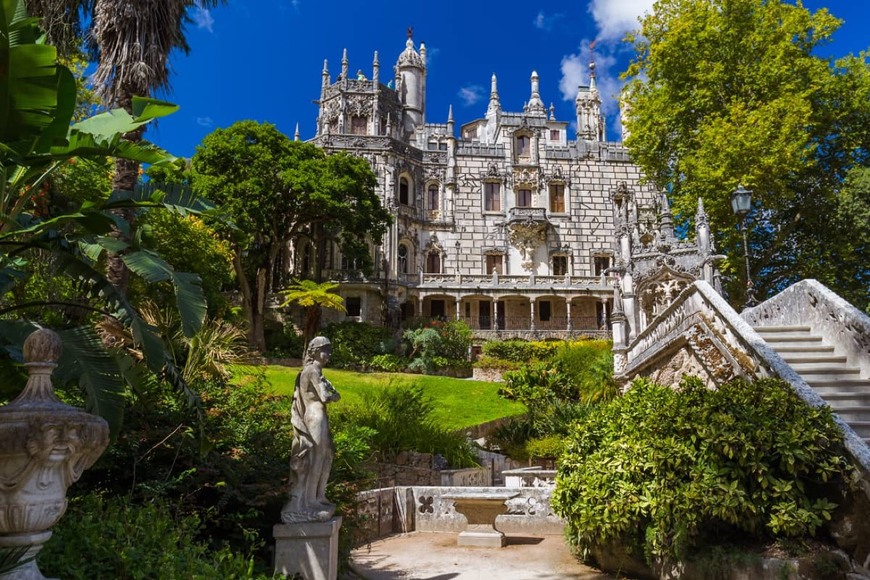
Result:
pixel 433 263
pixel 403 191
pixel 353 305
pixel 524 198
pixel 432 197
pixel 554 135
pixel 544 311
pixel 432 146
pixel 442 147
pixel 523 143
pixel 601 263
pixel 491 196
pixel 494 264
pixel 359 125
pixel 557 198
pixel 560 265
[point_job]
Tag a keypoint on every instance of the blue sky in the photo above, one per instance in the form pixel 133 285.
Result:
pixel 261 59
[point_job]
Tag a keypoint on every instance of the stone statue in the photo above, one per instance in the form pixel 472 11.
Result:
pixel 313 449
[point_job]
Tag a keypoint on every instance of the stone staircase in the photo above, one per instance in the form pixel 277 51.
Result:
pixel 830 374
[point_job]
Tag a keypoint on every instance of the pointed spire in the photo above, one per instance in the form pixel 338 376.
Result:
pixel 423 52
pixel 536 105
pixel 552 112
pixel 325 73
pixel 344 64
pixel 450 123
pixel 592 66
pixel 494 104
pixel 376 69
pixel 296 134
pixel 667 219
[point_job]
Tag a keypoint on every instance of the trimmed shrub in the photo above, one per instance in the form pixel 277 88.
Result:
pixel 520 351
pixel 670 470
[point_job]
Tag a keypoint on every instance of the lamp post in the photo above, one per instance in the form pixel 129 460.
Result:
pixel 741 204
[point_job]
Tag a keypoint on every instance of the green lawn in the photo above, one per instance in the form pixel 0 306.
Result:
pixel 458 403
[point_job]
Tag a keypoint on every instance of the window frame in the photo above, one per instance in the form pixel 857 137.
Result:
pixel 496 260
pixel 433 263
pixel 433 187
pixel 405 190
pixel 563 259
pixel 525 192
pixel 492 192
pixel 560 189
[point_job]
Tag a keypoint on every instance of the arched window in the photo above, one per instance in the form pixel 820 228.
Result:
pixel 404 191
pixel 433 263
pixel 403 259
pixel 432 201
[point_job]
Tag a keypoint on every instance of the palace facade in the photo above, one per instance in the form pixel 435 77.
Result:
pixel 505 223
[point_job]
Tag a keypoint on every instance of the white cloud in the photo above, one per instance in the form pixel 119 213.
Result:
pixel 470 95
pixel 203 18
pixel 616 17
pixel 205 121
pixel 544 22
pixel 574 70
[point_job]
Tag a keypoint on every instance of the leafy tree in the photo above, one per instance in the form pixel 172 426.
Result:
pixel 728 92
pixel 313 297
pixel 36 139
pixel 273 190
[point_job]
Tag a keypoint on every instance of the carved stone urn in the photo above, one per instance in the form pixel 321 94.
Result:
pixel 45 445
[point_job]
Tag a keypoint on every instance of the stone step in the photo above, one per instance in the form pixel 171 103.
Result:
pixel 861 428
pixel 840 386
pixel 837 399
pixel 806 369
pixel 786 339
pixel 789 348
pixel 778 329
pixel 812 357
pixel 853 414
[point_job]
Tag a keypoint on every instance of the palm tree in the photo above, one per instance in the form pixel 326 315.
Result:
pixel 313 297
pixel 132 40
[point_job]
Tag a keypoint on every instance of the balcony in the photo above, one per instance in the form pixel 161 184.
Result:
pixel 535 215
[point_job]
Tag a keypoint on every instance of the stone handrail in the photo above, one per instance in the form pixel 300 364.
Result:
pixel 526 281
pixel 745 352
pixel 810 303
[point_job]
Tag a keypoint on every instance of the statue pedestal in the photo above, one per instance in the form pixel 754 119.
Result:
pixel 309 549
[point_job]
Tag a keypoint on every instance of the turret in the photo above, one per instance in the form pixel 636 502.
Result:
pixel 376 70
pixel 344 65
pixel 411 71
pixel 590 121
pixel 536 105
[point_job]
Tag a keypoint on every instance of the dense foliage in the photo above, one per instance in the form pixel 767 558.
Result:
pixel 400 419
pixel 669 470
pixel 108 539
pixel 274 190
pixel 734 91
pixel 436 344
pixel 556 391
pixel 355 344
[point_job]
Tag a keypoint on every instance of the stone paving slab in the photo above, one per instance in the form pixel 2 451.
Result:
pixel 436 556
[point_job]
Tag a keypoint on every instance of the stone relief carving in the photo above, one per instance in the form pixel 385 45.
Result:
pixel 526 236
pixel 526 177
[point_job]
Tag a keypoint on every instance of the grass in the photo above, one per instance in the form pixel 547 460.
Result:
pixel 459 403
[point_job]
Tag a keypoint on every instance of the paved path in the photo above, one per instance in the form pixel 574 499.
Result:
pixel 435 556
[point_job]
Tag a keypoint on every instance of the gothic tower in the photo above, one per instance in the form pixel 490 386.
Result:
pixel 411 84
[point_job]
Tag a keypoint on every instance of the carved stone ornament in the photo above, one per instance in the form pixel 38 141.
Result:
pixel 45 445
pixel 359 105
pixel 526 236
pixel 526 178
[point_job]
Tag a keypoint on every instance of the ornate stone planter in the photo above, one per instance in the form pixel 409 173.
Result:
pixel 45 445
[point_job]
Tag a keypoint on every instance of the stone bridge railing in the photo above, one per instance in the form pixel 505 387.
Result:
pixel 700 334
pixel 404 509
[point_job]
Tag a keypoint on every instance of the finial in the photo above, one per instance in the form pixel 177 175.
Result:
pixel 325 67
pixel 450 114
pixel 536 105
pixel 344 55
pixel 376 62
pixel 410 32
pixel 592 65
pixel 41 347
pixel 552 112
pixel 296 134
pixel 494 104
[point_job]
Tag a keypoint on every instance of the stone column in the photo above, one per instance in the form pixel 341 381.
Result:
pixel 458 302
pixel 420 307
pixel 570 325
pixel 532 312
pixel 495 313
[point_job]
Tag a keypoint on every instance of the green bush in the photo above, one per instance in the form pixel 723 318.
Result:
pixel 520 351
pixel 109 538
pixel 355 343
pixel 401 419
pixel 676 469
pixel 389 363
pixel 437 344
pixel 282 340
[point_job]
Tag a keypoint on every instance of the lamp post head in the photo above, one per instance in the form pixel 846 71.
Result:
pixel 741 201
